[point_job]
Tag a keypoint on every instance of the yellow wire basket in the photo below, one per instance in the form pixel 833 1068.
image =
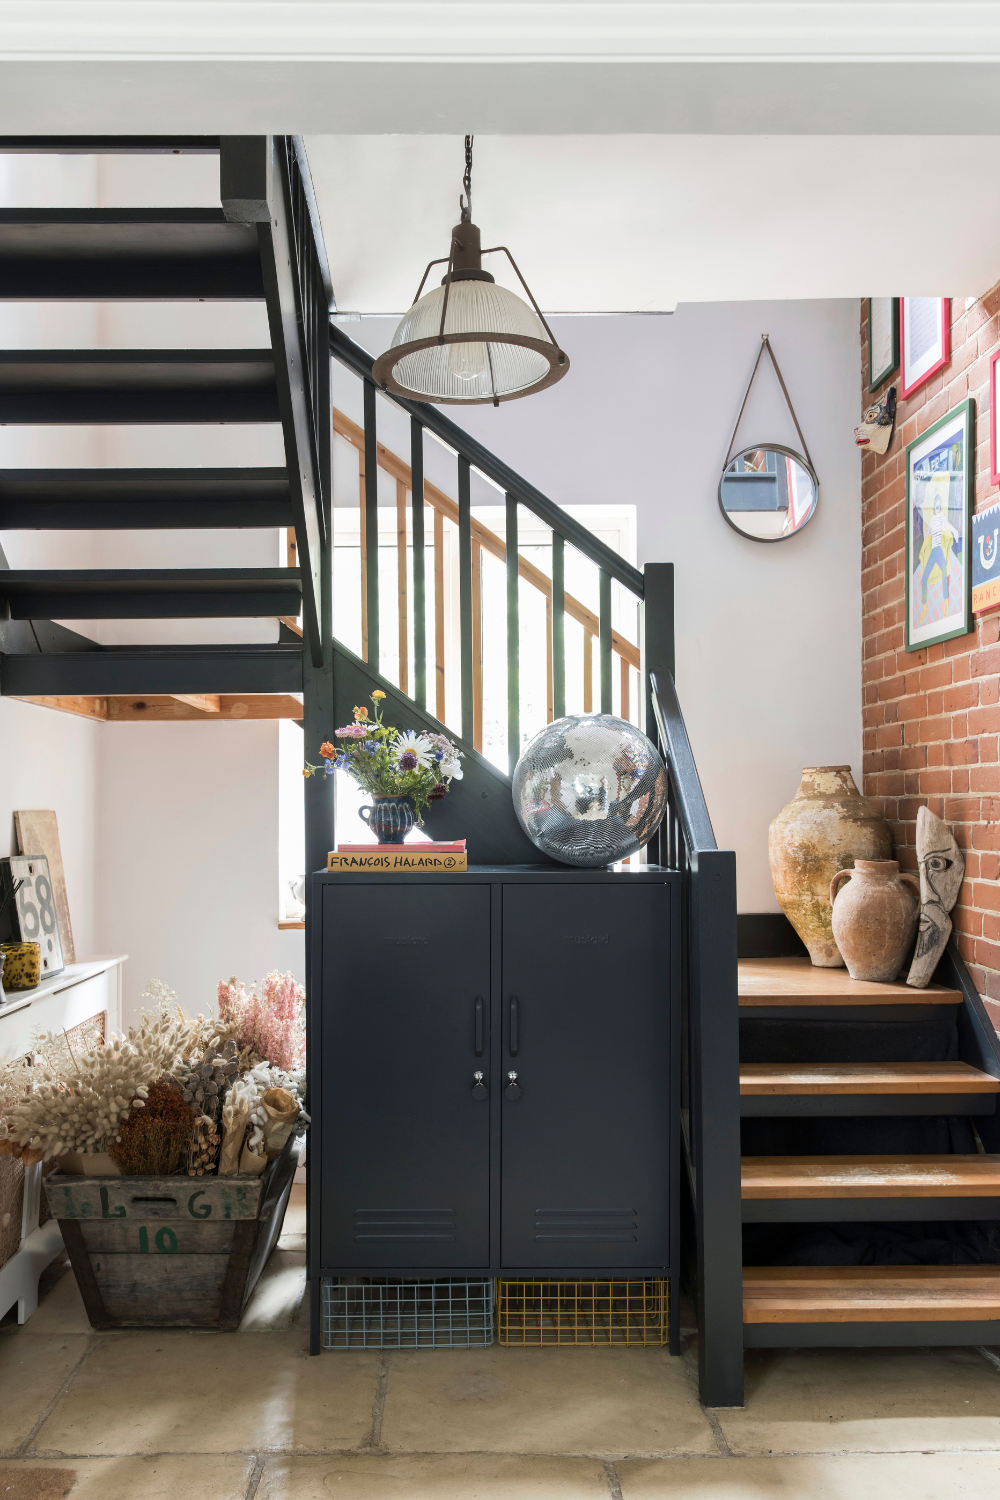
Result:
pixel 548 1312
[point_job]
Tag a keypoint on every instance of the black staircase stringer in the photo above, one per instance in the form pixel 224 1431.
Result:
pixel 254 189
pixel 977 1036
pixel 36 637
pixel 478 808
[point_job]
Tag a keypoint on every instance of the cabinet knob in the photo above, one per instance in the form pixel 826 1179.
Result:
pixel 479 1090
pixel 513 1089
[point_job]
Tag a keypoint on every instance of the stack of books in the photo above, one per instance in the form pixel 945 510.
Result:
pixel 418 859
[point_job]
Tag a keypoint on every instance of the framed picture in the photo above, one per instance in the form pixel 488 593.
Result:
pixel 940 479
pixel 986 559
pixel 883 339
pixel 31 916
pixel 994 422
pixel 924 339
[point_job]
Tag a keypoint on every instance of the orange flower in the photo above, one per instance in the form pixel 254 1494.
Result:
pixel 327 750
pixel 378 693
pixel 361 713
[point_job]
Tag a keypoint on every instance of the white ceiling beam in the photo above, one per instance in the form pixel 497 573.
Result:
pixel 328 66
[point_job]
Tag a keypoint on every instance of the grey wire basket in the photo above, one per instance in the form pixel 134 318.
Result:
pixel 379 1313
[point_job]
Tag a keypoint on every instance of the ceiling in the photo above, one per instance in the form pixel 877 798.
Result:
pixel 638 223
pixel 524 66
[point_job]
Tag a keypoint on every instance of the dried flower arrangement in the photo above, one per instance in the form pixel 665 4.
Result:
pixel 390 762
pixel 166 1096
pixel 268 1027
pixel 153 1140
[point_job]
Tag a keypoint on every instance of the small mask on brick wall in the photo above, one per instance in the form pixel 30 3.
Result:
pixel 875 431
pixel 942 870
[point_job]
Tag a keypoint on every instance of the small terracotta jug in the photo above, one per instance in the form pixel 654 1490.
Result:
pixel 874 917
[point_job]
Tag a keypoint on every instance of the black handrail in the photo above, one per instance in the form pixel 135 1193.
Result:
pixel 360 361
pixel 710 1055
pixel 309 194
pixel 691 806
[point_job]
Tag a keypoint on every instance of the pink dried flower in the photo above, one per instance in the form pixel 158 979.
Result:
pixel 352 732
pixel 270 1024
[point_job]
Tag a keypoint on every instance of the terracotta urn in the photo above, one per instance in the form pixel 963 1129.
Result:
pixel 825 828
pixel 874 917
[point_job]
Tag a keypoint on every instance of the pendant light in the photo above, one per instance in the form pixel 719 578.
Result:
pixel 469 340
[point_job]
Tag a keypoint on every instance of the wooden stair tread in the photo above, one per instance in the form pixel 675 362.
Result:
pixel 758 1079
pixel 956 1176
pixel 870 1294
pixel 795 981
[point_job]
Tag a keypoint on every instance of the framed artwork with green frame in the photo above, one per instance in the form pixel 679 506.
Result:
pixel 940 482
pixel 883 339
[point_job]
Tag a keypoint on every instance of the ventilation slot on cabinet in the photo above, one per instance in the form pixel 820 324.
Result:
pixel 594 1224
pixel 404 1224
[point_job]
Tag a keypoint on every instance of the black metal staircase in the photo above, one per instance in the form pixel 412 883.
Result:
pixel 265 244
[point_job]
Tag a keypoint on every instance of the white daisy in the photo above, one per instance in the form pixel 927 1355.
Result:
pixel 416 745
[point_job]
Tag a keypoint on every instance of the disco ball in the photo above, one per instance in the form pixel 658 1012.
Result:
pixel 589 790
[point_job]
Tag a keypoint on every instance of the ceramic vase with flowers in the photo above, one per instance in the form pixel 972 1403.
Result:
pixel 402 771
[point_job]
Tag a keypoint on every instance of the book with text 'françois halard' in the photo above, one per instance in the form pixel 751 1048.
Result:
pixel 417 859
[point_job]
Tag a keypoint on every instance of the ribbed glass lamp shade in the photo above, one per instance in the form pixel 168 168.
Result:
pixel 507 352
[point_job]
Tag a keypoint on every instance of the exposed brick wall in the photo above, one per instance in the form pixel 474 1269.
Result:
pixel 932 717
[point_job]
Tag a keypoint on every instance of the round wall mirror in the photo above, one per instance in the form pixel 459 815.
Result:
pixel 768 494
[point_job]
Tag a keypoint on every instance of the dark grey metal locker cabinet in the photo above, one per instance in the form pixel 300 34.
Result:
pixel 586 1133
pixel 405 1142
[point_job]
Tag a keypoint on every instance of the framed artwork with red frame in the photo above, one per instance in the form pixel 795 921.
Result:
pixel 924 340
pixel 994 424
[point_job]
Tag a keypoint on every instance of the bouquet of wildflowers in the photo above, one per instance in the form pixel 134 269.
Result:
pixel 389 762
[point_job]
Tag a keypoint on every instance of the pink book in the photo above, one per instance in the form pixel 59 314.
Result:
pixel 457 846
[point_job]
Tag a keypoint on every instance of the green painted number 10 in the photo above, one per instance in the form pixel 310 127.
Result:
pixel 165 1240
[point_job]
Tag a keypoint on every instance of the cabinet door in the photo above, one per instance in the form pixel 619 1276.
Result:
pixel 405 1163
pixel 586 1146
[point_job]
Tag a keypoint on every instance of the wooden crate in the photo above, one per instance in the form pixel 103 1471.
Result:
pixel 171 1252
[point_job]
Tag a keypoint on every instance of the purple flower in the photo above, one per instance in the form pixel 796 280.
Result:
pixel 370 746
pixel 408 761
pixel 438 793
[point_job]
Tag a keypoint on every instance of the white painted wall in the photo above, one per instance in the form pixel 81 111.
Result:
pixel 50 759
pixel 188 864
pixel 768 636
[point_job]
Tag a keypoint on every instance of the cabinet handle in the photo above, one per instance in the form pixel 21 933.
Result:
pixel 479 1025
pixel 513 1089
pixel 479 1090
pixel 513 1025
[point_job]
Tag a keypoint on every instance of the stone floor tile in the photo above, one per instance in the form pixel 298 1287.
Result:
pixel 877 1400
pixel 278 1294
pixel 917 1476
pixel 295 1215
pixel 32 1372
pixel 164 1477
pixel 434 1476
pixel 60 1307
pixel 206 1392
pixel 600 1401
